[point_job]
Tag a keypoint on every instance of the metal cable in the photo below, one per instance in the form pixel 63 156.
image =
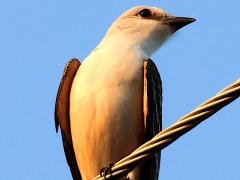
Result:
pixel 173 132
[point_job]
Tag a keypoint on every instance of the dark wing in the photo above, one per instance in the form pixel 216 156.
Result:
pixel 62 115
pixel 152 116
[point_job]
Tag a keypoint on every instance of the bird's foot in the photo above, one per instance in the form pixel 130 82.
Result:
pixel 106 170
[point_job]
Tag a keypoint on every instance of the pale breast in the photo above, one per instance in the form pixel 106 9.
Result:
pixel 106 112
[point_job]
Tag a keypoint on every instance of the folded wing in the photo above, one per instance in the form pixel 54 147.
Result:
pixel 62 115
pixel 152 100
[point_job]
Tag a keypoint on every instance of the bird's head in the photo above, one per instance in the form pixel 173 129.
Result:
pixel 146 27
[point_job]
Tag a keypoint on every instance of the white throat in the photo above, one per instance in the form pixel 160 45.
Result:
pixel 121 43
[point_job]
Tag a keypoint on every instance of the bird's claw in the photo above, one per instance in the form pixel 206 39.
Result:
pixel 106 170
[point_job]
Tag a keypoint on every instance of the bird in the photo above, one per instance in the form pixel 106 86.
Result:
pixel 111 103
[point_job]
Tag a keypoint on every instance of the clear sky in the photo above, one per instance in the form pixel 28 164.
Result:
pixel 37 38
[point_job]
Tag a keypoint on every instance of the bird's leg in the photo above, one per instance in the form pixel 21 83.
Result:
pixel 106 170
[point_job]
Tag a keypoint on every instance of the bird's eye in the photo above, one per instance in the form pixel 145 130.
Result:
pixel 145 13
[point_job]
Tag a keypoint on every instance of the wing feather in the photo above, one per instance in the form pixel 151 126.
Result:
pixel 152 108
pixel 62 115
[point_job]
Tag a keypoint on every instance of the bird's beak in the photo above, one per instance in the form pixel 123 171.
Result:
pixel 177 23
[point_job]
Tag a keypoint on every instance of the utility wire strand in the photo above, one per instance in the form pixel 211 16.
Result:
pixel 173 132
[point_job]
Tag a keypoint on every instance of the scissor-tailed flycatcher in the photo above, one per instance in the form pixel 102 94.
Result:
pixel 112 103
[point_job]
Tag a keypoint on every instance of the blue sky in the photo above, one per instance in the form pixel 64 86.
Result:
pixel 37 38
